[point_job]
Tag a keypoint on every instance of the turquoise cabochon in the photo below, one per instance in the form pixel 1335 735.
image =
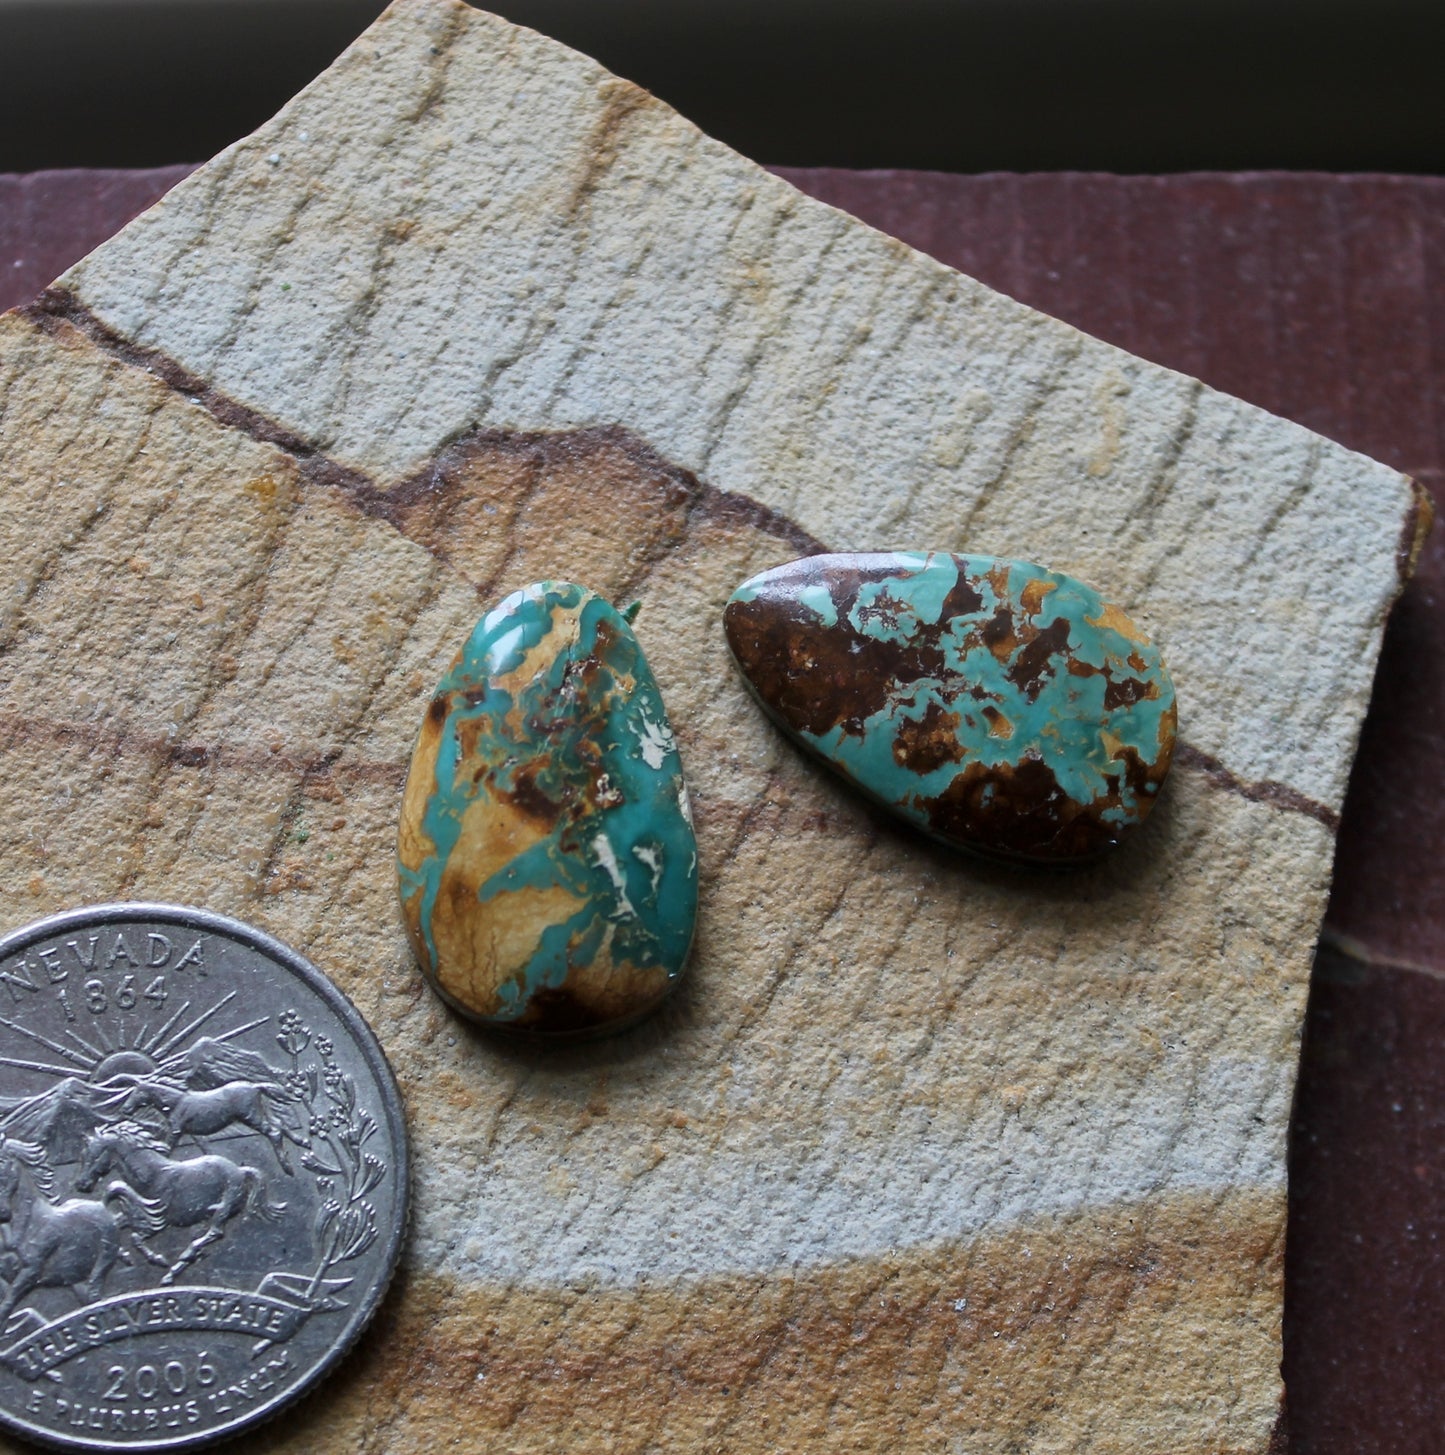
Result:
pixel 546 861
pixel 994 704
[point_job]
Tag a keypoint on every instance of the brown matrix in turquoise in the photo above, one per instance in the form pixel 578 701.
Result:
pixel 996 705
pixel 546 857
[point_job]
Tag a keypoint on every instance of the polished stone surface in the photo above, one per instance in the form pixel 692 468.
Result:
pixel 546 856
pixel 996 705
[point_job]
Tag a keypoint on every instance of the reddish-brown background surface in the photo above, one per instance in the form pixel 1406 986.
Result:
pixel 1313 296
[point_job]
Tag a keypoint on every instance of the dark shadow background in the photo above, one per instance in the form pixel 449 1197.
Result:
pixel 956 85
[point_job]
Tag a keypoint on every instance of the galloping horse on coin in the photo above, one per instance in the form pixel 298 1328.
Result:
pixel 207 1189
pixel 262 1106
pixel 72 1244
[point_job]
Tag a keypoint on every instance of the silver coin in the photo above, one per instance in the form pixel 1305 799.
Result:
pixel 203 1177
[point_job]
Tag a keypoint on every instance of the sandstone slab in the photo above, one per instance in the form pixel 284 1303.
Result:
pixel 926 1155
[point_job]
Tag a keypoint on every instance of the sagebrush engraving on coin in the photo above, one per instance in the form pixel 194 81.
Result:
pixel 202 1177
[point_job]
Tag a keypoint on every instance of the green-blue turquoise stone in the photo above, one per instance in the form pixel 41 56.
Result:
pixel 994 704
pixel 546 856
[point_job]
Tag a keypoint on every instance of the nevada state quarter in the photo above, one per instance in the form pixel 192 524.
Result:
pixel 203 1177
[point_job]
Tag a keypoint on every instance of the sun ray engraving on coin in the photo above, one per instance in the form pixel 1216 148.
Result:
pixel 203 1177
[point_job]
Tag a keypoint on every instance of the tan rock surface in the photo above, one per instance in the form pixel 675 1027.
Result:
pixel 927 1155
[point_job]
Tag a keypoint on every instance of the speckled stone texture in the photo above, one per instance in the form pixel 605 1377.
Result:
pixel 918 1158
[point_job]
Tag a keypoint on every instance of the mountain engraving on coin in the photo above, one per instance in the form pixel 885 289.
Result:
pixel 203 1177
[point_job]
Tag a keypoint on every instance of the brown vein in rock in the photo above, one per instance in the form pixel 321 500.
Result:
pixel 1262 790
pixel 56 307
pixel 122 742
pixel 412 504
pixel 621 100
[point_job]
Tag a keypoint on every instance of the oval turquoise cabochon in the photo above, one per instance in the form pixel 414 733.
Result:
pixel 994 704
pixel 546 857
